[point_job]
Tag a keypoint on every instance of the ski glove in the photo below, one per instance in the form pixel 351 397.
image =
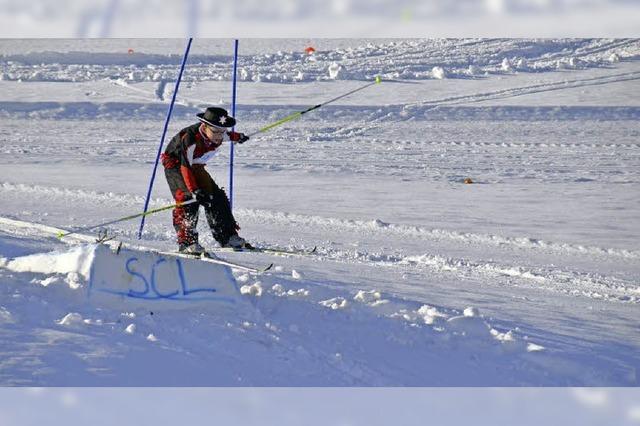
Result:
pixel 238 137
pixel 204 199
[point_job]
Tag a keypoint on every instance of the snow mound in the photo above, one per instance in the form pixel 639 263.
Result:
pixel 532 347
pixel 73 280
pixel 74 261
pixel 132 277
pixel 335 303
pixel 430 314
pixel 72 319
pixel 371 298
pixel 280 291
pixel 334 70
pixel 471 312
pixel 469 326
pixel 438 73
pixel 254 289
pixel 474 70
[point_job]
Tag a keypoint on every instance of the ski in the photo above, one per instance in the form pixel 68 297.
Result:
pixel 210 257
pixel 270 250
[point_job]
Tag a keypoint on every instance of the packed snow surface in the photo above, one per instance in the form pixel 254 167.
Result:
pixel 530 275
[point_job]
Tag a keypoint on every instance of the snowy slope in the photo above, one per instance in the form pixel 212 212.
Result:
pixel 527 277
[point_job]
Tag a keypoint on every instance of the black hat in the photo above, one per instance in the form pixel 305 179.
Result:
pixel 218 117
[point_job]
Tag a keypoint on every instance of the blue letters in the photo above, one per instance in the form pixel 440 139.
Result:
pixel 134 293
pixel 150 289
pixel 153 281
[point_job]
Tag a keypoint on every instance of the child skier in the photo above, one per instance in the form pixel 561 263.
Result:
pixel 184 163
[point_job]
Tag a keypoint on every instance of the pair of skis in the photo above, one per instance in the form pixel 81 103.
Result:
pixel 212 256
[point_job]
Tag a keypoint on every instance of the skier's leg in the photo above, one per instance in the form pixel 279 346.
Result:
pixel 219 217
pixel 221 221
pixel 185 218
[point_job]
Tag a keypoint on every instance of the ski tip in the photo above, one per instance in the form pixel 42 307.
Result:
pixel 265 269
pixel 314 250
pixel 378 80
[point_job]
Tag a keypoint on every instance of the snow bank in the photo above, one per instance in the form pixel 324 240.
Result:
pixel 131 277
pixel 76 260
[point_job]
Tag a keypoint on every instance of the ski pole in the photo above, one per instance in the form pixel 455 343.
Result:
pixel 300 113
pixel 122 219
pixel 164 133
pixel 233 114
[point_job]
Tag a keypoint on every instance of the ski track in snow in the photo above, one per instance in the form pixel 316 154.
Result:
pixel 431 109
pixel 524 151
pixel 524 90
pixel 289 220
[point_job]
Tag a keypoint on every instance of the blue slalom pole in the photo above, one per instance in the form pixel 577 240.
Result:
pixel 164 133
pixel 233 114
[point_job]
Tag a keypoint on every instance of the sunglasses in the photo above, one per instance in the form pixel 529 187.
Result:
pixel 216 129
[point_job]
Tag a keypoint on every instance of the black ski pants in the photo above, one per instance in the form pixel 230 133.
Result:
pixel 185 219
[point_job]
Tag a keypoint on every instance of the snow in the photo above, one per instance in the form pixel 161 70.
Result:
pixel 438 73
pixel 527 277
pixel 254 289
pixel 76 260
pixel 72 319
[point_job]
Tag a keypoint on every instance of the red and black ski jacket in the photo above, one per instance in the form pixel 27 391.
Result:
pixel 187 149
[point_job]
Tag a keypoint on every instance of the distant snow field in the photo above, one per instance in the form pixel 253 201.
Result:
pixel 527 276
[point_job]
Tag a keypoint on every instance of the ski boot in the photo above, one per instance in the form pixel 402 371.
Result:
pixel 194 249
pixel 236 242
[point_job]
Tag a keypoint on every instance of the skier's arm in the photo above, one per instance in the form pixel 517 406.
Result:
pixel 186 159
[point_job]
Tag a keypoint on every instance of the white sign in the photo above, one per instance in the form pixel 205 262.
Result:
pixel 152 279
